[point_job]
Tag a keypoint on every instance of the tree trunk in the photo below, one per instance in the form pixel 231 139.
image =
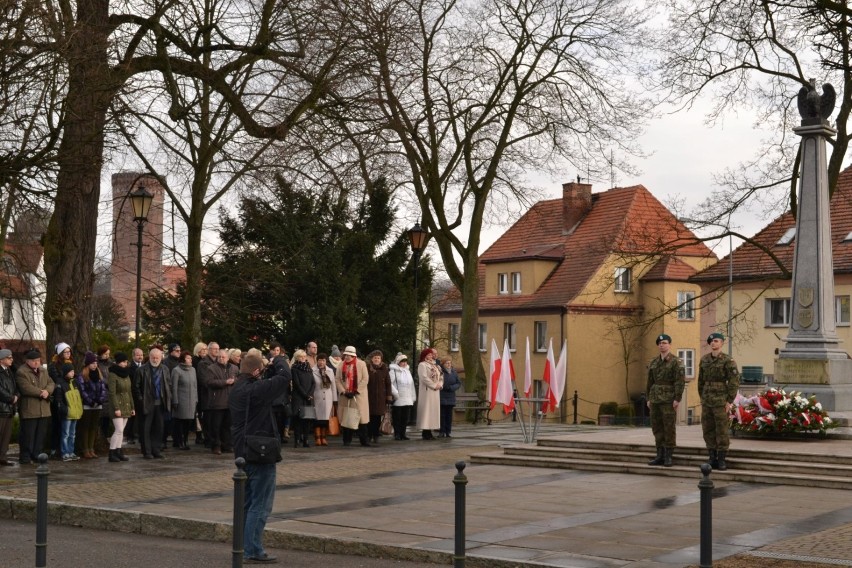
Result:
pixel 475 380
pixel 194 268
pixel 69 245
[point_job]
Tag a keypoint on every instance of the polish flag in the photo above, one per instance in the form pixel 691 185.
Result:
pixel 493 374
pixel 557 383
pixel 549 373
pixel 528 372
pixel 505 392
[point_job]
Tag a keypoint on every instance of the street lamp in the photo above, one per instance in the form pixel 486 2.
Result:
pixel 418 237
pixel 141 201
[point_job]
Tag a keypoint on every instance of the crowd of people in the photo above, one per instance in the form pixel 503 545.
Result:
pixel 177 398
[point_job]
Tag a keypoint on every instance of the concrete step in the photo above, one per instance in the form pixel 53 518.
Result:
pixel 812 479
pixel 816 456
pixel 688 457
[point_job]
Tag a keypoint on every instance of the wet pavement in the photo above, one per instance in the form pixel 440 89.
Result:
pixel 397 501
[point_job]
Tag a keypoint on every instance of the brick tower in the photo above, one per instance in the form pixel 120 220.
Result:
pixel 125 235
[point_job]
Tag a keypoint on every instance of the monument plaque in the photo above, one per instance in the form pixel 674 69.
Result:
pixel 802 371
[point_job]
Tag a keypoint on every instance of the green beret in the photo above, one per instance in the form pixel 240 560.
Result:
pixel 664 337
pixel 715 335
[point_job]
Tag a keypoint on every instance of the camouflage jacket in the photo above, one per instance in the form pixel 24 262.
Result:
pixel 665 379
pixel 718 380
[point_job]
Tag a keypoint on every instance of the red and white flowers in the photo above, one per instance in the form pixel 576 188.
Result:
pixel 776 411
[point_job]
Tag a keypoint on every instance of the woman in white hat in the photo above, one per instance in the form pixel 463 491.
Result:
pixel 352 379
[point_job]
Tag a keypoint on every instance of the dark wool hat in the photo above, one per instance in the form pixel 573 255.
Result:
pixel 90 358
pixel 119 357
pixel 715 335
pixel 375 352
pixel 32 354
pixel 173 346
pixel 67 368
pixel 664 337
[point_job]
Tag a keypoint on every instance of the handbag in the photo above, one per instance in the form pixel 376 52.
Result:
pixel 352 418
pixel 308 413
pixel 333 423
pixel 386 427
pixel 263 449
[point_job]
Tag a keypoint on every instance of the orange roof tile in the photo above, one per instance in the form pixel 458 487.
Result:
pixel 751 262
pixel 627 220
pixel 670 269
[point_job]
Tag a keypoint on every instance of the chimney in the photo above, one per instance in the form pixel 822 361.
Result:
pixel 576 202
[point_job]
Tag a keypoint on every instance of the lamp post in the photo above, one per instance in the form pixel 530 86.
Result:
pixel 141 201
pixel 418 237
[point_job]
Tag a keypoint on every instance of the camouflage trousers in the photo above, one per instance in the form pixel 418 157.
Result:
pixel 716 425
pixel 663 420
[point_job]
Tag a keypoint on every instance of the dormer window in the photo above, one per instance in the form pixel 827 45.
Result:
pixel 516 283
pixel 787 237
pixel 623 277
pixel 503 283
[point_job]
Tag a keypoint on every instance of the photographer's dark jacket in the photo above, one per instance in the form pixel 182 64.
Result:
pixel 250 403
pixel 8 391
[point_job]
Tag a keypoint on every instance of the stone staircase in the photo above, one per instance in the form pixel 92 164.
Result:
pixel 752 466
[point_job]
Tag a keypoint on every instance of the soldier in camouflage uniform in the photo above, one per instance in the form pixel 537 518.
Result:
pixel 665 389
pixel 718 381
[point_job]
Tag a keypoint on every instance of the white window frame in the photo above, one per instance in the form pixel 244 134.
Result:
pixel 510 333
pixel 503 283
pixel 516 283
pixel 688 358
pixel 453 332
pixel 540 336
pixel 685 305
pixel 839 311
pixel 787 238
pixel 623 279
pixel 786 315
pixel 483 337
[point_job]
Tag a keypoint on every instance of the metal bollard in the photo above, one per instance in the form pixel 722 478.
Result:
pixel 239 478
pixel 705 487
pixel 460 481
pixel 42 472
pixel 574 402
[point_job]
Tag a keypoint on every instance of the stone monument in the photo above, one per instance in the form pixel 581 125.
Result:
pixel 812 360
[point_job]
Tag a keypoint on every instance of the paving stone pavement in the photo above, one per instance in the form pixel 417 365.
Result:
pixel 397 500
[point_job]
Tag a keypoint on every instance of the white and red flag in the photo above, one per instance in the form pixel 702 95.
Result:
pixel 505 390
pixel 494 366
pixel 528 372
pixel 554 376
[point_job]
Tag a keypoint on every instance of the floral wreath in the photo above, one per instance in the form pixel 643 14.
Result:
pixel 778 412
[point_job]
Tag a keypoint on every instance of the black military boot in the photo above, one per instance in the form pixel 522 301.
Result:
pixel 659 459
pixel 722 466
pixel 113 456
pixel 667 457
pixel 714 459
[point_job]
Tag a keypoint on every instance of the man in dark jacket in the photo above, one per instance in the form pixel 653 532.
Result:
pixel 155 389
pixel 35 388
pixel 8 399
pixel 250 403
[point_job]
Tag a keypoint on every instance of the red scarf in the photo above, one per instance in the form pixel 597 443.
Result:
pixel 348 371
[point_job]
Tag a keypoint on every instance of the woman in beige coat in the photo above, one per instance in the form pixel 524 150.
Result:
pixel 352 379
pixel 429 393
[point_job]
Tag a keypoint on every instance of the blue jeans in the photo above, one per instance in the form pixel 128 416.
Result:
pixel 66 439
pixel 260 493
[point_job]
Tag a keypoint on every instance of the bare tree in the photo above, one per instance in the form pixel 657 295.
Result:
pixel 103 45
pixel 757 55
pixel 473 95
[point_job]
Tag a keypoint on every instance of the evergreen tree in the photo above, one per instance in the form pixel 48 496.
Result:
pixel 295 268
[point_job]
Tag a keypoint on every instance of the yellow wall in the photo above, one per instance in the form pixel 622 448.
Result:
pixel 533 274
pixel 754 342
